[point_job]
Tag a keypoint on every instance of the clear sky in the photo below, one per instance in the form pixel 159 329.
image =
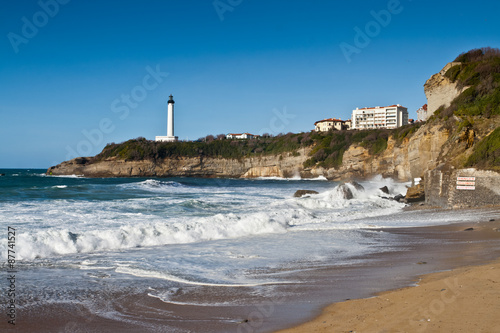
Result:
pixel 77 74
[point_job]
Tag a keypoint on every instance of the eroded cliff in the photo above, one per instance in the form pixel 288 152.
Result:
pixel 283 165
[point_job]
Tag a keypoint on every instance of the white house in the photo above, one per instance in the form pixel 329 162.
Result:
pixel 240 136
pixel 327 124
pixel 422 113
pixel 380 117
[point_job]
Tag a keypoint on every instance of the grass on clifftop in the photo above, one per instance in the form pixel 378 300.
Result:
pixel 476 109
pixel 480 72
pixel 328 147
pixel 140 148
pixel 486 155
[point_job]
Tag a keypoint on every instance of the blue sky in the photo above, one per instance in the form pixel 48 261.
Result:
pixel 232 65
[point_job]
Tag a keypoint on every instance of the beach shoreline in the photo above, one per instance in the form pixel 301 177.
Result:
pixel 429 249
pixel 464 298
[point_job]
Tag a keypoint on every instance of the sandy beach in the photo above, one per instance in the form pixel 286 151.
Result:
pixel 464 296
pixel 465 299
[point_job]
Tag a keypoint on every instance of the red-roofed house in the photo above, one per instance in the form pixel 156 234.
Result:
pixel 422 113
pixel 327 124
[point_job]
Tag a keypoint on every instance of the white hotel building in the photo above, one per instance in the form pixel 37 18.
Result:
pixel 379 117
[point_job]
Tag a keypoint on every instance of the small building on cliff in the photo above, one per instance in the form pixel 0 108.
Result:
pixel 422 113
pixel 391 116
pixel 332 123
pixel 241 136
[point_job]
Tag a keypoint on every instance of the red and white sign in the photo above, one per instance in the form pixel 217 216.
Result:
pixel 461 187
pixel 466 183
pixel 467 178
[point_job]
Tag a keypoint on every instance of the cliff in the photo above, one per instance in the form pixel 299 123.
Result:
pixel 440 90
pixel 283 165
pixel 404 161
pixel 461 137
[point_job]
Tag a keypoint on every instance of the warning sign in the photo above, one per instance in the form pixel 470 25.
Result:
pixel 466 183
pixel 461 187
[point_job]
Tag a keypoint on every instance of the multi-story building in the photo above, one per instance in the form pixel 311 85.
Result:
pixel 380 117
pixel 327 124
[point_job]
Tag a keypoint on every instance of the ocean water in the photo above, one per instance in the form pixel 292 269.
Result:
pixel 174 237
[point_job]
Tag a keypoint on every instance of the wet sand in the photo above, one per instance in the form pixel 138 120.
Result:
pixel 425 250
pixel 465 299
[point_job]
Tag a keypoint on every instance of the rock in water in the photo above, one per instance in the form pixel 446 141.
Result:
pixel 301 193
pixel 345 191
pixel 399 197
pixel 357 185
pixel 384 189
pixel 415 194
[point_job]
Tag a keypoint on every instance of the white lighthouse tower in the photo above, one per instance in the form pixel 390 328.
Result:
pixel 170 124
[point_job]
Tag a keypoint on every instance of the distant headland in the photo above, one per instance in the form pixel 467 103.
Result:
pixel 456 151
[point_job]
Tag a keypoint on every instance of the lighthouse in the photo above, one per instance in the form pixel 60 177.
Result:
pixel 170 123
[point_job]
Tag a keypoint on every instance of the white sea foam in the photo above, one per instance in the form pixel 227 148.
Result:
pixel 66 240
pixel 60 186
pixel 125 224
pixel 296 177
pixel 61 176
pixel 64 227
pixel 152 185
pixel 165 276
pixel 165 298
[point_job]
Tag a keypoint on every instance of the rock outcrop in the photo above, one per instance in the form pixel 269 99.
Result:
pixel 415 194
pixel 410 159
pixel 430 152
pixel 439 90
pixel 284 165
pixel 301 193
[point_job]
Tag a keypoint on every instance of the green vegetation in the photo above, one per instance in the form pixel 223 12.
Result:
pixel 476 109
pixel 140 148
pixel 400 133
pixel 486 155
pixel 328 147
pixel 480 72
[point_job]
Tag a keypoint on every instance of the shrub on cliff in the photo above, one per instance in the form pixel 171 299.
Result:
pixel 330 146
pixel 480 72
pixel 486 155
pixel 140 148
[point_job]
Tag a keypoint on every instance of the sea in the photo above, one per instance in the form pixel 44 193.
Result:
pixel 189 241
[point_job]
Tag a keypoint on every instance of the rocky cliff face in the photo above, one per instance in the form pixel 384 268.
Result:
pixel 284 165
pixel 431 152
pixel 439 90
pixel 410 159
